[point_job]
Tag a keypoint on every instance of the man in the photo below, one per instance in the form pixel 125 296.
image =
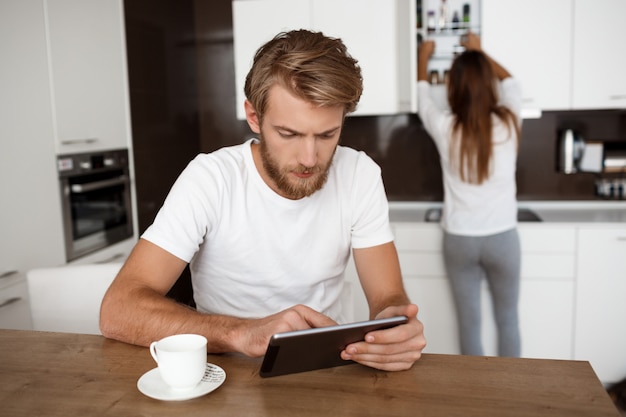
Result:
pixel 267 226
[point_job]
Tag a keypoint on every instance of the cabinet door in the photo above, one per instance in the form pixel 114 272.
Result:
pixel 31 233
pixel 256 22
pixel 600 306
pixel 532 40
pixel 599 59
pixel 380 34
pixel 88 72
pixel 545 319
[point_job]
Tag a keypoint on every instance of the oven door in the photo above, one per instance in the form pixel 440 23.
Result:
pixel 96 211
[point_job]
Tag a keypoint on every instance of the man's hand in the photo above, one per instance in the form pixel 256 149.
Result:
pixel 253 335
pixel 394 349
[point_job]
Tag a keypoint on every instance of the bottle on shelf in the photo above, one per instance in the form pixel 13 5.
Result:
pixel 443 15
pixel 466 15
pixel 455 20
pixel 430 22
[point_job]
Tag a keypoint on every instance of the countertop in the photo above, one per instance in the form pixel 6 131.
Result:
pixel 576 212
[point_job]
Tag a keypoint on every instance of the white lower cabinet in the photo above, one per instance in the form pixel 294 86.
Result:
pixel 14 306
pixel 546 293
pixel 572 293
pixel 600 307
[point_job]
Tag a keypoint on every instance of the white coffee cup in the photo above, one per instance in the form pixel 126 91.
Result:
pixel 181 359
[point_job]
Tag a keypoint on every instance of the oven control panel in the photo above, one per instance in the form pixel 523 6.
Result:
pixel 83 163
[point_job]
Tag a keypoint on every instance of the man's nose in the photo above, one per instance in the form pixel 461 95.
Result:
pixel 307 154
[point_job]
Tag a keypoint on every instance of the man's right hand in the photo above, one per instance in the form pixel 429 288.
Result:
pixel 252 336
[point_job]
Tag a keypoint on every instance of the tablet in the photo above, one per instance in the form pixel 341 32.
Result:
pixel 306 350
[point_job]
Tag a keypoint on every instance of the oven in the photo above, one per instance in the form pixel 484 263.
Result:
pixel 95 199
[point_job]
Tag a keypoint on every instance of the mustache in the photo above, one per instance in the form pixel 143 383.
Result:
pixel 301 169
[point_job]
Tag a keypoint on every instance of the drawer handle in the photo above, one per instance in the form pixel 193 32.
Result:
pixel 79 141
pixel 621 238
pixel 10 301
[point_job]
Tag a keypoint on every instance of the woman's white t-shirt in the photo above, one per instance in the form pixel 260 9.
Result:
pixel 471 209
pixel 252 252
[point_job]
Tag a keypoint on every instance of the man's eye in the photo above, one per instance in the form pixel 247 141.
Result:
pixel 287 135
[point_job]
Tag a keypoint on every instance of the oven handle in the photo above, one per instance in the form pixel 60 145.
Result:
pixel 92 186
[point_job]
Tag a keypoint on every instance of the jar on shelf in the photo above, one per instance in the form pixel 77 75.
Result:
pixel 430 21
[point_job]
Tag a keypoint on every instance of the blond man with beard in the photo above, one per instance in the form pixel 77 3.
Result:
pixel 267 226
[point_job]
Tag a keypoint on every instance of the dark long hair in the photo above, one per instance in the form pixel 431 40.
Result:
pixel 473 98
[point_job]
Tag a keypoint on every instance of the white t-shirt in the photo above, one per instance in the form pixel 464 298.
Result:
pixel 471 209
pixel 252 252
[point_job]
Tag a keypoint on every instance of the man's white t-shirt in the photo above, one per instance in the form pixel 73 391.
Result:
pixel 252 252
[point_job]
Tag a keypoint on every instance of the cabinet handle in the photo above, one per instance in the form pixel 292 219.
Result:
pixel 79 141
pixel 8 273
pixel 621 238
pixel 617 97
pixel 98 185
pixel 10 301
pixel 111 258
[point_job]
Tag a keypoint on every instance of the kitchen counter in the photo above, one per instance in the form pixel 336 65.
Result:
pixel 549 212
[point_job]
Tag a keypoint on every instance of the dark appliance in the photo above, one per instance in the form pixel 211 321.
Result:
pixel 96 202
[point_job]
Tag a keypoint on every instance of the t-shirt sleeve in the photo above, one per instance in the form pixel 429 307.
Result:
pixel 185 217
pixel 370 224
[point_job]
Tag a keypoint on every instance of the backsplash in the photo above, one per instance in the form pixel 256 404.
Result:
pixel 410 162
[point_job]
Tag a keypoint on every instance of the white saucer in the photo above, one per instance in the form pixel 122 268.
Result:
pixel 153 386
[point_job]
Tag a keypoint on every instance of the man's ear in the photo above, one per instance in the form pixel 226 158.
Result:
pixel 252 117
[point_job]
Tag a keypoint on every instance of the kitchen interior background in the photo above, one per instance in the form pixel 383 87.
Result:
pixel 182 95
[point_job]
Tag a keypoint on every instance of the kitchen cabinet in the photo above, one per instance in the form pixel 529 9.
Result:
pixel 559 50
pixel 14 306
pixel 30 225
pixel 600 306
pixel 380 34
pixel 598 60
pixel 87 58
pixel 63 72
pixel 532 40
pixel 546 293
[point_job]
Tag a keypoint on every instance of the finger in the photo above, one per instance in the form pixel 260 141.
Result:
pixel 313 318
pixel 408 310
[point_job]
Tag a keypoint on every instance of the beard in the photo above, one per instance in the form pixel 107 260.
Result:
pixel 289 185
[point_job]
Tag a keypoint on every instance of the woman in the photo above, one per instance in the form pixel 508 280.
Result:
pixel 477 140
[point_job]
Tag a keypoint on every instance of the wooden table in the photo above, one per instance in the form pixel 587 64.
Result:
pixel 58 374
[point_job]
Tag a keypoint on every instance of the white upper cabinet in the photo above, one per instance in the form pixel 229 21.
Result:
pixel 87 57
pixel 380 34
pixel 565 53
pixel 599 69
pixel 532 40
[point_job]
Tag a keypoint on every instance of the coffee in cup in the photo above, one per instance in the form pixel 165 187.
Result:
pixel 181 359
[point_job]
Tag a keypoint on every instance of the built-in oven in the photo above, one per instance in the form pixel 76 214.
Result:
pixel 96 202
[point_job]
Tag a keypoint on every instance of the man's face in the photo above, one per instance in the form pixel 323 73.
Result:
pixel 298 141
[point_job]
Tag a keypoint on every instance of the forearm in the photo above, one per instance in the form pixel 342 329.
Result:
pixel 379 272
pixel 499 71
pixel 422 66
pixel 141 315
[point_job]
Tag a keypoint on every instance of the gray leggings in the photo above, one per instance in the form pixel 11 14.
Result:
pixel 497 258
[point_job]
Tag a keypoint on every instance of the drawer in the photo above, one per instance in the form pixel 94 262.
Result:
pixel 534 265
pixel 547 240
pixel 421 264
pixel 14 307
pixel 416 236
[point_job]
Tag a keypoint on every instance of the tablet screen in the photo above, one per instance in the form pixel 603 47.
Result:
pixel 306 350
